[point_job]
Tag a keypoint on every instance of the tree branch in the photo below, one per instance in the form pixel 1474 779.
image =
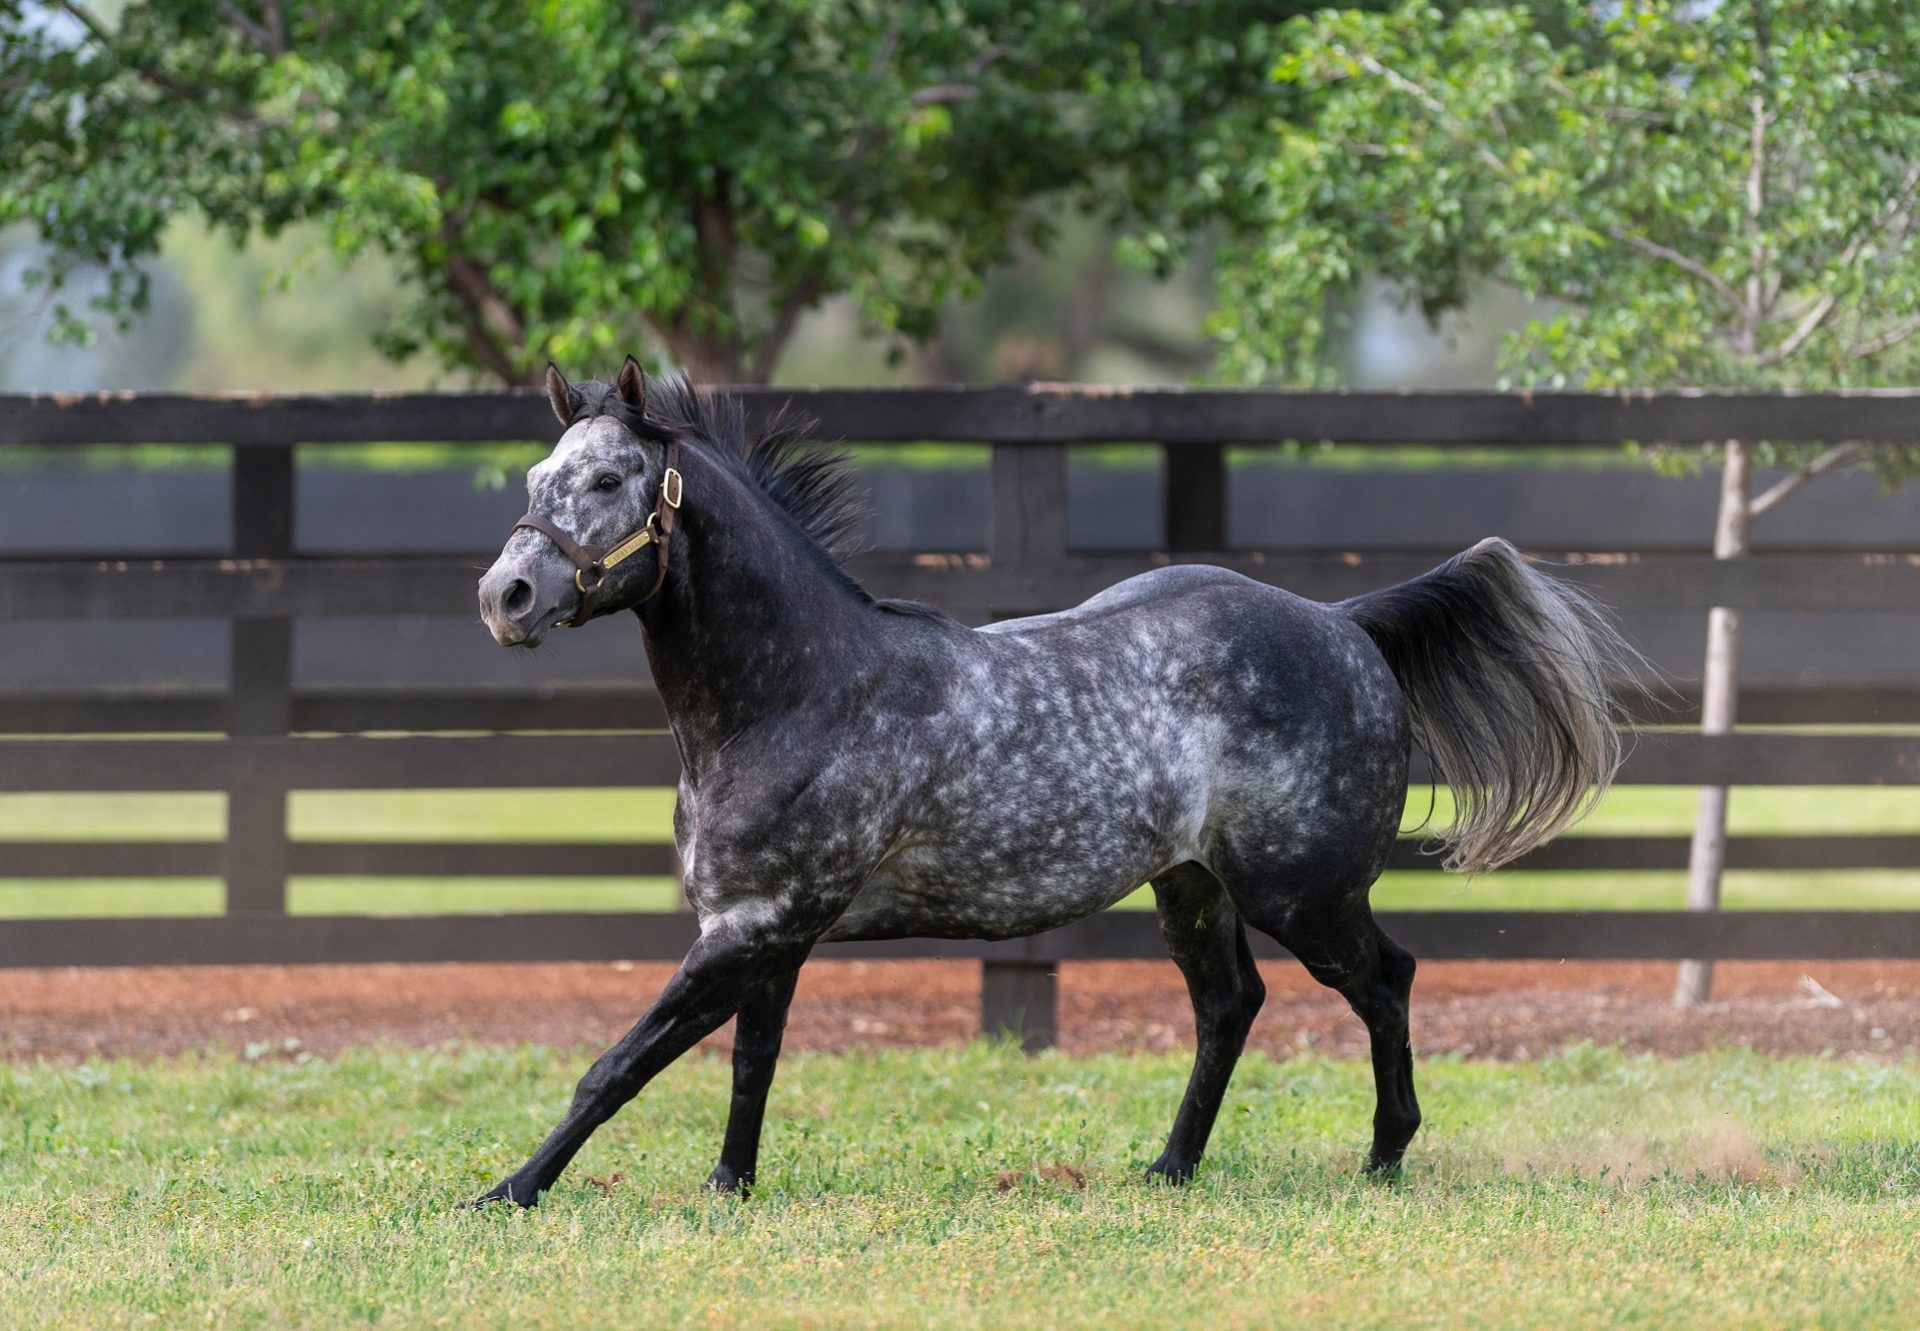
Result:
pixel 958 90
pixel 1893 337
pixel 988 54
pixel 94 27
pixel 494 330
pixel 1686 265
pixel 1808 326
pixel 1836 456
pixel 97 31
pixel 1434 106
pixel 1756 205
pixel 1883 217
pixel 158 78
pixel 269 34
pixel 941 94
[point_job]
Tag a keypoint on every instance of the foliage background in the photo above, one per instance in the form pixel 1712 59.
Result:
pixel 276 189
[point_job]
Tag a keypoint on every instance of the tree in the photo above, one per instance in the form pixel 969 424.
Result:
pixel 1714 195
pixel 567 179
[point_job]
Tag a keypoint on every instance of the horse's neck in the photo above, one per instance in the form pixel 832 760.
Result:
pixel 752 618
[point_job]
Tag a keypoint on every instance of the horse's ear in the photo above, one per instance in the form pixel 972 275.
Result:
pixel 560 394
pixel 633 384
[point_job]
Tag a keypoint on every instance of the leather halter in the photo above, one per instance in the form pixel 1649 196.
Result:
pixel 593 560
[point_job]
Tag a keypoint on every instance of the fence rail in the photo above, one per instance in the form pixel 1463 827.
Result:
pixel 1036 414
pixel 262 939
pixel 333 586
pixel 264 737
pixel 650 759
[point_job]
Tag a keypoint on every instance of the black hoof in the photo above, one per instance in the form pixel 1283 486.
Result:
pixel 1383 1168
pixel 524 1198
pixel 724 1180
pixel 1173 1173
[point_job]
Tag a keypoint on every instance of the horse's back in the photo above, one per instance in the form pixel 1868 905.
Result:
pixel 1160 591
pixel 1186 714
pixel 1223 633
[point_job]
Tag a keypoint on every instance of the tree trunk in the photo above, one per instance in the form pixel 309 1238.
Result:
pixel 1707 860
pixel 701 332
pixel 707 358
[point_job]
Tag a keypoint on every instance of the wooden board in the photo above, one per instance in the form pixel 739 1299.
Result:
pixel 963 584
pixel 1509 935
pixel 1052 413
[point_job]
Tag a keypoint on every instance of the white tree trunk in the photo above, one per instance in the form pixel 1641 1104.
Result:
pixel 1720 685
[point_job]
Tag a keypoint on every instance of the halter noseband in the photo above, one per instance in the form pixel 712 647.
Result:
pixel 592 559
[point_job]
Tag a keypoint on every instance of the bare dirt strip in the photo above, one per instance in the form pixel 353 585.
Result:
pixel 1499 1010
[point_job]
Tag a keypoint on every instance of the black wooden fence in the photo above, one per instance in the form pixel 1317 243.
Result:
pixel 265 737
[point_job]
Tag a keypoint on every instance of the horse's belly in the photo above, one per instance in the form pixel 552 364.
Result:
pixel 933 896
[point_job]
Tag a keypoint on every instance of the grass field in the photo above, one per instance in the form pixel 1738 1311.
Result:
pixel 645 815
pixel 969 1187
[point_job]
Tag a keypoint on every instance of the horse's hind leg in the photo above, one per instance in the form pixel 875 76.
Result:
pixel 1346 950
pixel 757 1033
pixel 1209 944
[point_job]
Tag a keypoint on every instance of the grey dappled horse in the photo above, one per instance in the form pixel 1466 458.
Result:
pixel 862 768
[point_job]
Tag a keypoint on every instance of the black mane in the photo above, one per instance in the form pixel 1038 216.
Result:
pixel 814 484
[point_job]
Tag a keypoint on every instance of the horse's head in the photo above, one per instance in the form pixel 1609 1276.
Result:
pixel 597 507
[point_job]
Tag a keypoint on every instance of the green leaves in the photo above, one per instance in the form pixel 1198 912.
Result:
pixel 1709 198
pixel 575 178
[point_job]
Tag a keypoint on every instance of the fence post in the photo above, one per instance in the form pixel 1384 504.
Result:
pixel 1020 1000
pixel 1027 525
pixel 260 684
pixel 1196 498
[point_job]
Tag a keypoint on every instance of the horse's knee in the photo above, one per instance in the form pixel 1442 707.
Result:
pixel 598 1082
pixel 1397 966
pixel 1385 997
pixel 1380 1003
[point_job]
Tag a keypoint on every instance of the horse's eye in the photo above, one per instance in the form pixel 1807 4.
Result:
pixel 607 481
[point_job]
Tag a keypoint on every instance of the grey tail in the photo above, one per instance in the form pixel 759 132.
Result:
pixel 1509 677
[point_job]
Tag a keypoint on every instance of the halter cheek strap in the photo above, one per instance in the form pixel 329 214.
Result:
pixel 591 562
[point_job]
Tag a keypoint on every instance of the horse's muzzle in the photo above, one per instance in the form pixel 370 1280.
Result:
pixel 521 598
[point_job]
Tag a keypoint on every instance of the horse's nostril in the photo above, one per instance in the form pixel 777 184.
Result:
pixel 518 598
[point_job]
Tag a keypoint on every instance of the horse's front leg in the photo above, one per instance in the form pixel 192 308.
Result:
pixel 738 954
pixel 756 1049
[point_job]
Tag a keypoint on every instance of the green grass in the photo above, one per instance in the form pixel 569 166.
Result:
pixel 1639 889
pixel 591 814
pixel 68 898
pixel 81 898
pixel 594 815
pixel 474 896
pixel 117 817
pixel 906 1188
pixel 1752 811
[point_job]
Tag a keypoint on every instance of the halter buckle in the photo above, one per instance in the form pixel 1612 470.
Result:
pixel 671 487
